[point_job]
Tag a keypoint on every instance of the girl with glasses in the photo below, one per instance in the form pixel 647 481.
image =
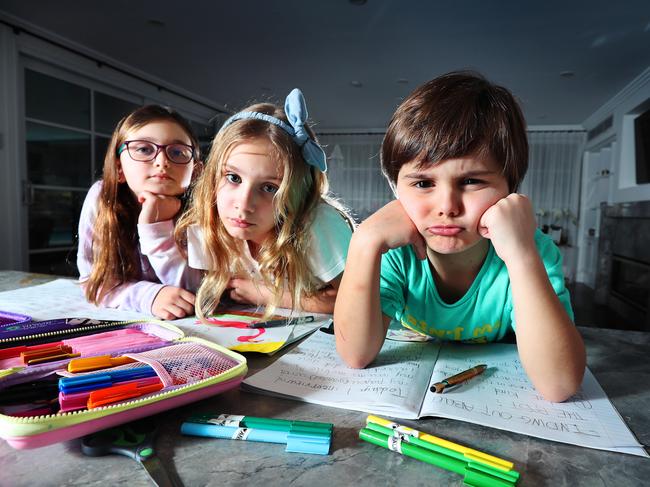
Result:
pixel 260 221
pixel 127 256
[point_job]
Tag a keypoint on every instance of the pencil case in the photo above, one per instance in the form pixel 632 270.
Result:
pixel 168 370
pixel 11 320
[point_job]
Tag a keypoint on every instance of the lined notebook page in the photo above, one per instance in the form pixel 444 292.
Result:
pixel 503 397
pixel 313 372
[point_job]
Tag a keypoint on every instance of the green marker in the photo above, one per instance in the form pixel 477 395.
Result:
pixel 511 475
pixel 474 474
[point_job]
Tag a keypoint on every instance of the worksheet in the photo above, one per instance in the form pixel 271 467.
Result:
pixel 398 383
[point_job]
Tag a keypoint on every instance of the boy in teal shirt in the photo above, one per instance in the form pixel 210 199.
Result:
pixel 457 256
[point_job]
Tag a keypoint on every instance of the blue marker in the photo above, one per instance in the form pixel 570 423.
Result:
pixel 296 441
pixel 90 382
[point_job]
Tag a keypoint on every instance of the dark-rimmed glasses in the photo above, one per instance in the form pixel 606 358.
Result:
pixel 147 151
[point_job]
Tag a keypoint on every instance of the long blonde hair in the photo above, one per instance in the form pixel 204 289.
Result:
pixel 283 256
pixel 115 240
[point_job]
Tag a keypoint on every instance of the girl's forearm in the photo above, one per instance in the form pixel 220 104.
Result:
pixel 550 347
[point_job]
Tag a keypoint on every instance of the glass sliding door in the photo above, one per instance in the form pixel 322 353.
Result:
pixel 67 130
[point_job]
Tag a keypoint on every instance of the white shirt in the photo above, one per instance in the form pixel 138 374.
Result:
pixel 329 238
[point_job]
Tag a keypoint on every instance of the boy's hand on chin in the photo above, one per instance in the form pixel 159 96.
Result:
pixel 390 228
pixel 157 207
pixel 510 225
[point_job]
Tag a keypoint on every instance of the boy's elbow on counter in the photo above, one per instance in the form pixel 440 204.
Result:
pixel 561 391
pixel 356 362
pixel 353 358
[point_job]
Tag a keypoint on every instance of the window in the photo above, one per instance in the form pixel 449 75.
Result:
pixel 67 130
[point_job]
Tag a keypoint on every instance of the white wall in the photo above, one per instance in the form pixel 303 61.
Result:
pixel 624 107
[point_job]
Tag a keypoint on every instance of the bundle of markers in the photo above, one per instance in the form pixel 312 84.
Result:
pixel 478 468
pixel 106 387
pixel 100 343
pixel 299 436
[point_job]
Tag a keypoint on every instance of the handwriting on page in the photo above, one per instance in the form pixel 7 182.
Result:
pixel 315 373
pixel 503 397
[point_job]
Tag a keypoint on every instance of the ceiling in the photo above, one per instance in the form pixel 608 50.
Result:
pixel 563 60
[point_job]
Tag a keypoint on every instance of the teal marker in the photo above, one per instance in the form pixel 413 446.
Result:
pixel 300 436
pixel 263 423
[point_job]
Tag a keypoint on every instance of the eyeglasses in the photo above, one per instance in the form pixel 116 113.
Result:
pixel 146 151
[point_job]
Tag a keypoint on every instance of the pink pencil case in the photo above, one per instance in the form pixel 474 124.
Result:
pixel 189 368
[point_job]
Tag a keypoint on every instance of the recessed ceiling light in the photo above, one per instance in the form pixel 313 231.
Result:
pixel 567 74
pixel 356 84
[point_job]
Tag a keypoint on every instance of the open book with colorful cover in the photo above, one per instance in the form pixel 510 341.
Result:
pixel 63 298
pixel 397 385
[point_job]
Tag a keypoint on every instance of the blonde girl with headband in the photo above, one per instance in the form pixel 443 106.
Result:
pixel 260 221
pixel 127 256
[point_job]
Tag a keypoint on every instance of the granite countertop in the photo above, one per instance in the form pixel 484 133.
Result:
pixel 618 359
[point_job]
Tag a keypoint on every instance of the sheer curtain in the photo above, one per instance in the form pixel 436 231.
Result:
pixel 553 180
pixel 354 171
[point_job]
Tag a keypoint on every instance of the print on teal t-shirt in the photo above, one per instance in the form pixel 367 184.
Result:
pixel 485 313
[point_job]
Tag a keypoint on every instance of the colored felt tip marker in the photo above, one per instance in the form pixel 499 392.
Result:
pixel 297 440
pixel 16 351
pixel 262 423
pixel 52 358
pixel 110 395
pixel 301 320
pixel 469 453
pixel 474 474
pixel 94 363
pixel 458 378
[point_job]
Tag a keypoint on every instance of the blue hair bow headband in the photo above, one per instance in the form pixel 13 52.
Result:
pixel 296 110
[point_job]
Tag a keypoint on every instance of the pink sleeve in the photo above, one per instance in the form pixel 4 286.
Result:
pixel 134 296
pixel 158 244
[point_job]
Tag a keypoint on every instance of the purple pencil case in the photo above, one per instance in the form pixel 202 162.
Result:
pixel 8 318
pixel 25 327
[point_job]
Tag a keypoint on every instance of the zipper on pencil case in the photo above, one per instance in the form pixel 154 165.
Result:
pixel 80 330
pixel 238 370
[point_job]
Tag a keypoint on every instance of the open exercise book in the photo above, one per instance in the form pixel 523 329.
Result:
pixel 63 298
pixel 397 385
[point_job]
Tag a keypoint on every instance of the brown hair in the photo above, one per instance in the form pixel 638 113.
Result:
pixel 456 115
pixel 282 258
pixel 115 260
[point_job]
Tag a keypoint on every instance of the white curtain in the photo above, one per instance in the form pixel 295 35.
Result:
pixel 553 180
pixel 354 171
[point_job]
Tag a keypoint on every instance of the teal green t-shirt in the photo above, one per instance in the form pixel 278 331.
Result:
pixel 484 314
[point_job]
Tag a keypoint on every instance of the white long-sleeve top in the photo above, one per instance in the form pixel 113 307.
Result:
pixel 161 261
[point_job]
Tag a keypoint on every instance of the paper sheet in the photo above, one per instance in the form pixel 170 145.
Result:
pixel 262 340
pixel 503 397
pixel 63 298
pixel 397 385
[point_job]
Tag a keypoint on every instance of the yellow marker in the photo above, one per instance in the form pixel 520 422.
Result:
pixel 95 363
pixel 469 453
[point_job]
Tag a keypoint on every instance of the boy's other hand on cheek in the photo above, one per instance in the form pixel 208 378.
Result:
pixel 390 227
pixel 510 225
pixel 157 207
pixel 173 302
